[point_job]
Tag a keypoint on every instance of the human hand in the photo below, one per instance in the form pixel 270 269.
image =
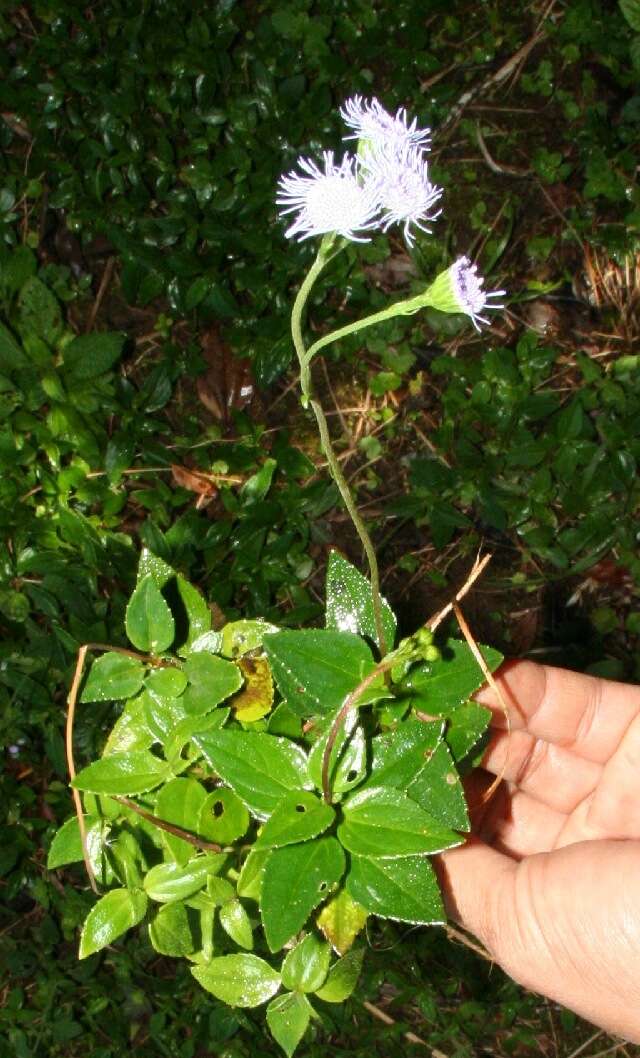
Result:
pixel 550 879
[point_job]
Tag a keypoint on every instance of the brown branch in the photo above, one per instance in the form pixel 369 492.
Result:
pixel 178 832
pixel 478 568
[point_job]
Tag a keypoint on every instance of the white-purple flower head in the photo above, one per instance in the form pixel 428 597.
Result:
pixel 373 124
pixel 403 187
pixel 333 200
pixel 460 289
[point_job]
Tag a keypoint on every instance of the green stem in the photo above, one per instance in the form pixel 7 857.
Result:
pixel 326 252
pixel 399 308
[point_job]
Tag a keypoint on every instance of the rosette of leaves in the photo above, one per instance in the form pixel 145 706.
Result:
pixel 223 816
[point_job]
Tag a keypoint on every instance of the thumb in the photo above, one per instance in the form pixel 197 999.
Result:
pixel 474 879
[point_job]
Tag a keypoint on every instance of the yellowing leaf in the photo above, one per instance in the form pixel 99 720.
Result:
pixel 341 920
pixel 256 698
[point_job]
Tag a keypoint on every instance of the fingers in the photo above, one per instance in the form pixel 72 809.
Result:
pixel 516 824
pixel 583 714
pixel 469 882
pixel 551 774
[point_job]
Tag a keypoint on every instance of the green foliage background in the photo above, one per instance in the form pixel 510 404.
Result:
pixel 153 133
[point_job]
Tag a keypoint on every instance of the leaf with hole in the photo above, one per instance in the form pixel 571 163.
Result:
pixel 112 677
pixel 341 919
pixel 149 621
pixel 123 773
pixel 315 669
pixel 350 602
pixel 306 966
pixel 380 821
pixel 296 879
pixel 115 913
pixel 238 980
pixel 260 768
pixel 348 759
pixel 298 817
pixel 405 890
pixel 288 1017
pixel 223 817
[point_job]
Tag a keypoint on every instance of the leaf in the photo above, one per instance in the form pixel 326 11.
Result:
pixel 399 756
pixel 343 977
pixel 306 966
pixel 445 684
pixel 211 681
pixel 197 612
pixel 238 980
pixel 385 822
pixel 298 817
pixel 162 715
pixel 167 682
pixel 350 602
pixel 315 669
pixel 466 727
pixel 438 790
pixel 296 879
pixel 256 698
pixel 241 637
pixel 250 880
pixel 631 11
pixel 12 358
pixel 91 355
pixel 348 760
pixel 39 311
pixel 171 931
pixel 341 919
pixel 288 1017
pixel 115 913
pixel 130 730
pixel 260 768
pixel 66 846
pixel 167 882
pixel 223 817
pixel 180 802
pixel 123 773
pixel 235 922
pixel 149 621
pixel 185 729
pixel 405 890
pixel 111 677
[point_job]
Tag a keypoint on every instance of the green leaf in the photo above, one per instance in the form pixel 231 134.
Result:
pixel 466 726
pixel 443 685
pixel 288 1017
pixel 341 919
pixel 315 669
pixel 238 980
pixel 438 790
pixel 298 817
pixel 184 731
pixel 343 977
pixel 383 822
pixel 260 768
pixel 12 358
pixel 350 602
pixel 348 760
pixel 130 730
pixel 111 677
pixel 115 913
pixel 296 879
pixel 219 891
pixel 39 311
pixel 91 355
pixel 235 922
pixel 162 715
pixel 123 773
pixel 306 966
pixel 405 890
pixel 180 802
pixel 149 621
pixel 399 756
pixel 240 637
pixel 211 680
pixel 197 612
pixel 631 11
pixel 66 846
pixel 167 882
pixel 167 682
pixel 223 817
pixel 171 931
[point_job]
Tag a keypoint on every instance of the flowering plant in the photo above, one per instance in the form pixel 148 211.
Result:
pixel 263 791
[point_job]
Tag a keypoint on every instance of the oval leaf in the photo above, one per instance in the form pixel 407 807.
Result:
pixel 123 774
pixel 235 922
pixel 115 913
pixel 171 931
pixel 343 978
pixel 287 1018
pixel 341 920
pixel 296 879
pixel 405 890
pixel 238 980
pixel 167 882
pixel 306 966
pixel 149 621
pixel 385 822
pixel 350 602
pixel 112 677
pixel 223 817
pixel 316 668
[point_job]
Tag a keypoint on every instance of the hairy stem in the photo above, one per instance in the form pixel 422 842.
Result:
pixel 399 308
pixel 326 252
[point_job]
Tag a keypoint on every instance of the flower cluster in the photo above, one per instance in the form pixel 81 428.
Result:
pixel 387 182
